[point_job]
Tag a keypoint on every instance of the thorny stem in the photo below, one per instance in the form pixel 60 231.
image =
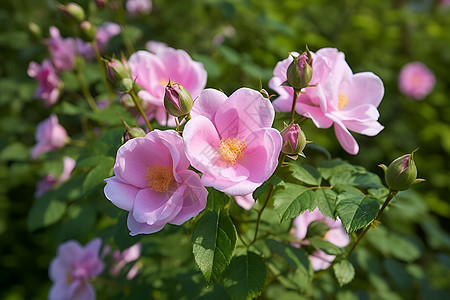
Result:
pixel 141 111
pixel 390 196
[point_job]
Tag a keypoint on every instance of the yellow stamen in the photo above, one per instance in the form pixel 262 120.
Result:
pixel 159 178
pixel 342 101
pixel 231 149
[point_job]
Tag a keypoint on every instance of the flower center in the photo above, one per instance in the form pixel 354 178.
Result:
pixel 342 101
pixel 159 178
pixel 231 149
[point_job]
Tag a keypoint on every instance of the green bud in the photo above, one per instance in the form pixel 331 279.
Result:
pixel 117 69
pixel 401 173
pixel 88 32
pixel 125 85
pixel 299 72
pixel 177 100
pixel 318 229
pixel 35 30
pixel 73 11
pixel 135 132
pixel 294 140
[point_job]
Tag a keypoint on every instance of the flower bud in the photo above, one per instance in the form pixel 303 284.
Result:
pixel 177 100
pixel 73 11
pixel 35 30
pixel 299 72
pixel 125 85
pixel 88 32
pixel 401 173
pixel 117 70
pixel 317 229
pixel 294 140
pixel 100 3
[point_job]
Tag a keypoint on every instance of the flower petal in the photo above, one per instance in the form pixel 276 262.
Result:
pixel 246 201
pixel 121 194
pixel 138 228
pixel 207 103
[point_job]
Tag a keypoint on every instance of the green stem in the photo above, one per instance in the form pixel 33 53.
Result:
pixel 294 102
pixel 102 66
pixel 141 111
pixel 390 196
pixel 84 88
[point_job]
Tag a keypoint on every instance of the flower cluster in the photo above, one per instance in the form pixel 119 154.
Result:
pixel 416 80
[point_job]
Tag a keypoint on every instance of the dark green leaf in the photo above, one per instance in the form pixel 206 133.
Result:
pixel 326 201
pixel 45 211
pixel 305 173
pixel 344 272
pixel 356 210
pixel 326 246
pixel 96 177
pixel 290 200
pixel 245 277
pixel 214 239
pixel 216 200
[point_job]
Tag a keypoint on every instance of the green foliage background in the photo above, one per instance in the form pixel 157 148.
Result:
pixel 408 255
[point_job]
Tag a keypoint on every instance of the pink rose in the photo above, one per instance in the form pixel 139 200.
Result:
pixel 347 100
pixel 62 51
pixel 72 268
pixel 50 135
pixel 48 81
pixel 152 72
pixel 137 7
pixel 156 46
pixel 154 184
pixel 416 80
pixel 335 234
pixel 229 139
pixel 126 256
pixel 49 181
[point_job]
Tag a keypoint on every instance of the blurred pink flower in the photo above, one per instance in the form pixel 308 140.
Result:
pixel 48 80
pixel 50 135
pixel 152 72
pixel 416 80
pixel 335 235
pixel 156 46
pixel 138 7
pixel 105 33
pixel 154 184
pixel 62 50
pixel 49 181
pixel 126 256
pixel 229 139
pixel 347 100
pixel 72 268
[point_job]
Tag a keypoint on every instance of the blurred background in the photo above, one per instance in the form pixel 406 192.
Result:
pixel 239 42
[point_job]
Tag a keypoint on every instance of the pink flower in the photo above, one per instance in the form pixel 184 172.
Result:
pixel 416 80
pixel 231 142
pixel 72 268
pixel 48 81
pixel 137 7
pixel 49 181
pixel 154 184
pixel 126 256
pixel 156 46
pixel 335 234
pixel 152 72
pixel 50 135
pixel 347 100
pixel 105 33
pixel 62 51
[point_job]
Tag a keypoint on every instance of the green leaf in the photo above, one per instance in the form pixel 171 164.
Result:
pixel 45 211
pixel 216 200
pixel 356 210
pixel 326 246
pixel 344 272
pixel 296 259
pixel 214 239
pixel 306 173
pixel 326 201
pixel 245 277
pixel 290 200
pixel 96 177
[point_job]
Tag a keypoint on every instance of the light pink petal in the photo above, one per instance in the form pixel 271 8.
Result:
pixel 175 145
pixel 202 142
pixel 369 128
pixel 141 228
pixel 163 118
pixel 344 137
pixel 246 201
pixel 119 193
pixel 156 46
pixel 320 260
pixel 207 103
pixel 68 251
pixel 58 290
pixel 81 290
pixel 245 110
pixel 194 197
pixel 315 114
pixel 68 166
pixel 33 69
pixel 338 236
pixel 365 88
pixel 156 208
pixel 135 157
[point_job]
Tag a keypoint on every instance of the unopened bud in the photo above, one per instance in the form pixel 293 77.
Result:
pixel 35 30
pixel 88 32
pixel 294 141
pixel 177 100
pixel 73 11
pixel 100 3
pixel 401 173
pixel 317 229
pixel 117 70
pixel 299 72
pixel 125 85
